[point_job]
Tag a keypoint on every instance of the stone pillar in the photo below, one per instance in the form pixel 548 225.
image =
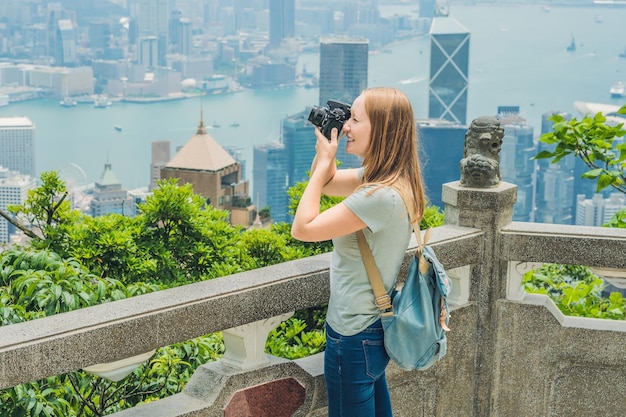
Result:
pixel 245 345
pixel 487 209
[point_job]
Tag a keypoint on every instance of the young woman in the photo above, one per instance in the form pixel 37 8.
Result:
pixel 382 131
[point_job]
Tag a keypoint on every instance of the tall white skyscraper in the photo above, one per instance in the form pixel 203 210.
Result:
pixel 13 190
pixel 17 145
pixel 598 210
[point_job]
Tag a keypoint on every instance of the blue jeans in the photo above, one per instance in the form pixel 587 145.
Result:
pixel 354 369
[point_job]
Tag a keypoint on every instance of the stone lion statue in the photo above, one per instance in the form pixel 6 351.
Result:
pixel 480 166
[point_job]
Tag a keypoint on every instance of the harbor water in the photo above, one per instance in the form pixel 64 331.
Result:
pixel 518 57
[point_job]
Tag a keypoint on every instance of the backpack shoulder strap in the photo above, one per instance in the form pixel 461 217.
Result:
pixel 381 298
pixel 442 286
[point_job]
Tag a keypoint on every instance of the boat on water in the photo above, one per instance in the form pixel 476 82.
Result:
pixel 234 124
pixel 215 125
pixel 118 128
pixel 622 54
pixel 572 46
pixel 618 90
pixel 68 102
pixel 101 102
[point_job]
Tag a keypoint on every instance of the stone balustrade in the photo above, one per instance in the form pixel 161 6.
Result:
pixel 509 353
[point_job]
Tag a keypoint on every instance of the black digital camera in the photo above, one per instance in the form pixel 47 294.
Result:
pixel 326 118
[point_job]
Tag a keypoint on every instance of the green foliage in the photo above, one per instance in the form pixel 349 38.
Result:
pixel 592 141
pixel 188 239
pixel 433 217
pixel 576 291
pixel 290 340
pixel 36 283
pixel 264 213
pixel 47 207
pixel 42 398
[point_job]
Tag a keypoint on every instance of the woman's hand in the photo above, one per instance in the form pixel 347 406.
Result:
pixel 326 150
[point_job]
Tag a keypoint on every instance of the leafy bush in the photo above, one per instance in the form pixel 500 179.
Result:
pixel 576 291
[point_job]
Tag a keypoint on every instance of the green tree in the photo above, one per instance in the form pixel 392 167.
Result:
pixel 592 140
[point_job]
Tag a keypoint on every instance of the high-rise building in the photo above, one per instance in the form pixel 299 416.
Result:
pixel 427 8
pixel 184 36
pixel 554 191
pixel 65 53
pixel 160 157
pixel 449 65
pixel 237 152
pixel 152 21
pixel 299 141
pixel 343 69
pixel 598 210
pixel 214 174
pixel 440 146
pixel 516 163
pixel 149 52
pixel 110 197
pixel 282 21
pixel 270 180
pixel 99 35
pixel 17 145
pixel 13 191
pixel 58 33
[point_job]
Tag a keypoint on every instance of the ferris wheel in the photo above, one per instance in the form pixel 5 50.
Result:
pixel 74 176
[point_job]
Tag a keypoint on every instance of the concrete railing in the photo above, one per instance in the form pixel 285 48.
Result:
pixel 510 353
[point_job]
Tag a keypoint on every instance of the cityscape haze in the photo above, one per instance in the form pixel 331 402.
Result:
pixel 517 57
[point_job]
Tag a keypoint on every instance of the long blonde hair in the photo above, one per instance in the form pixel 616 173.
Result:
pixel 391 158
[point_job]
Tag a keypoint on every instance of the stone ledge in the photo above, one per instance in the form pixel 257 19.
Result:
pixel 213 385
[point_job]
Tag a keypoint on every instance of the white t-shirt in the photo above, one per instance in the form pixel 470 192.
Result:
pixel 351 307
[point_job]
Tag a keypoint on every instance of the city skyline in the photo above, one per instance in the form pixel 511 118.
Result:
pixel 409 83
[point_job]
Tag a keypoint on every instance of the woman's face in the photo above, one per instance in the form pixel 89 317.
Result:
pixel 357 129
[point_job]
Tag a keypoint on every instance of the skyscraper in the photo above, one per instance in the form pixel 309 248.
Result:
pixel 343 76
pixel 17 145
pixel 440 146
pixel 299 141
pixel 427 8
pixel 66 45
pixel 270 180
pixel 343 69
pixel 554 195
pixel 598 210
pixel 148 52
pixel 152 21
pixel 449 64
pixel 516 163
pixel 160 157
pixel 282 21
pixel 13 190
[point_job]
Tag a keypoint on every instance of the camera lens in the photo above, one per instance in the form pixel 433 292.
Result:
pixel 317 115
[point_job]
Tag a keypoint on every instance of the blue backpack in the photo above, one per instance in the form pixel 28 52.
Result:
pixel 414 317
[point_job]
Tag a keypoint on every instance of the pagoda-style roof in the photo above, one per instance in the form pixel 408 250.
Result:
pixel 203 153
pixel 108 177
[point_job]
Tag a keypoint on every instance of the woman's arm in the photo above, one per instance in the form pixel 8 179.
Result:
pixel 309 224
